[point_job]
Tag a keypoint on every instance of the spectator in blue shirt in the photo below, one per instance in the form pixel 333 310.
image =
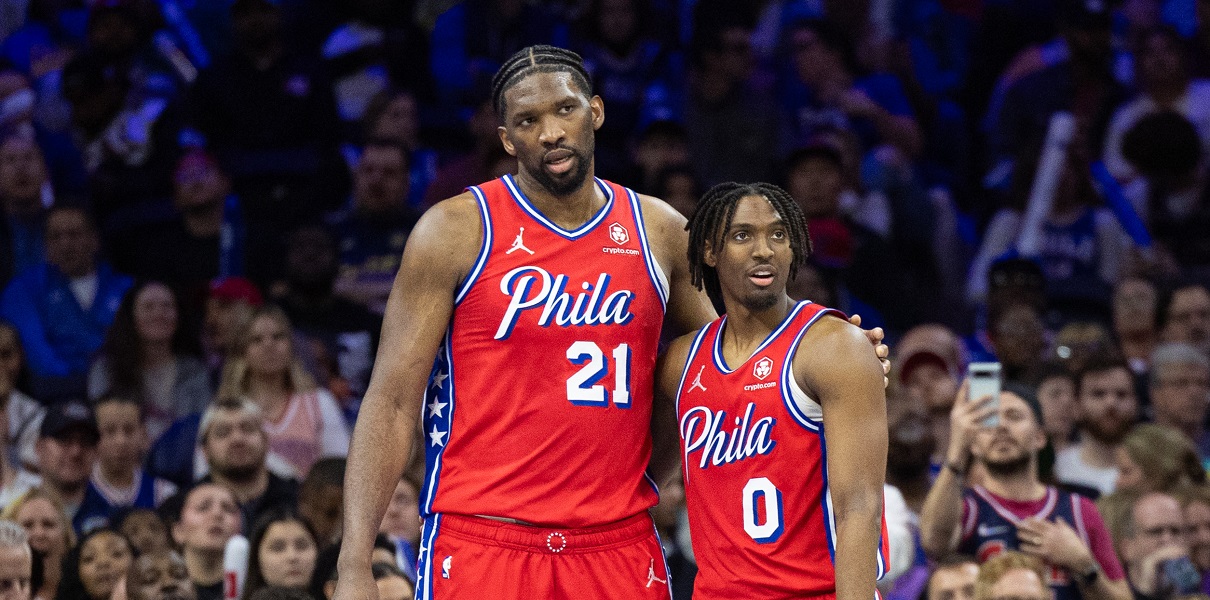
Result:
pixel 63 306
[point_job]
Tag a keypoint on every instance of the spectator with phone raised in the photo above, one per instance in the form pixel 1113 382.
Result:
pixel 1010 508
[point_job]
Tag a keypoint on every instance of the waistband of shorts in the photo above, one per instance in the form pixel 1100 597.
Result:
pixel 548 540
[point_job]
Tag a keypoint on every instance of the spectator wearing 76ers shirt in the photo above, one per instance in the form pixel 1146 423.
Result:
pixel 1012 509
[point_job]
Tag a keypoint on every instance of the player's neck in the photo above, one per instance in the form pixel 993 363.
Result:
pixel 747 328
pixel 1021 486
pixel 568 211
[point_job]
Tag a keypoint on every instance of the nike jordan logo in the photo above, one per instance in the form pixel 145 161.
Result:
pixel 697 381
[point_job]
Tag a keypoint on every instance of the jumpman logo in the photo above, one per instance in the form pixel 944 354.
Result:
pixel 651 578
pixel 519 244
pixel 697 382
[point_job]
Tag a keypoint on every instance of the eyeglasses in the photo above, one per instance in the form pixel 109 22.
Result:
pixel 1175 531
pixel 1184 382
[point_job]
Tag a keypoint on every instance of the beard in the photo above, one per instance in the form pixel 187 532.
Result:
pixel 1109 429
pixel 569 182
pixel 239 473
pixel 1005 465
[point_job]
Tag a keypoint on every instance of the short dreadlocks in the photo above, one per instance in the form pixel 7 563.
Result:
pixel 538 59
pixel 712 219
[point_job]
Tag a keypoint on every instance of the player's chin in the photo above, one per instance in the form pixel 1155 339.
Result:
pixel 762 298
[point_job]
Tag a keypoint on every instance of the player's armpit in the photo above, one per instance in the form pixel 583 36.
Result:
pixel 834 365
pixel 688 307
pixel 665 431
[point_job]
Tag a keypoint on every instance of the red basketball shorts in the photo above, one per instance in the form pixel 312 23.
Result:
pixel 474 558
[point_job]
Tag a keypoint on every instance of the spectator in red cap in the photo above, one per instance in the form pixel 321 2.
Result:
pixel 229 307
pixel 930 361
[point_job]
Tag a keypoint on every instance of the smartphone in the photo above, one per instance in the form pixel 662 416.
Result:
pixel 984 380
pixel 1178 576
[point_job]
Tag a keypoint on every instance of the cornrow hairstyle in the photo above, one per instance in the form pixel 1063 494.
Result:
pixel 537 59
pixel 712 219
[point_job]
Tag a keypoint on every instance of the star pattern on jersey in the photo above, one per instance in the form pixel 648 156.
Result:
pixel 439 379
pixel 439 404
pixel 436 437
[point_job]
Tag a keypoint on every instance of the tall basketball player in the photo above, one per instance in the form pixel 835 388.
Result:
pixel 523 326
pixel 782 416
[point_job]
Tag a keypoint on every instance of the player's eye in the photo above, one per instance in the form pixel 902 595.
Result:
pixel 566 108
pixel 740 236
pixel 779 235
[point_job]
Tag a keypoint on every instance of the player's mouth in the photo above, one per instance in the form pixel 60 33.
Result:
pixel 762 276
pixel 559 161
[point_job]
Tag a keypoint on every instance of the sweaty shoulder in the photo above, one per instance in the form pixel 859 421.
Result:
pixel 831 341
pixel 448 237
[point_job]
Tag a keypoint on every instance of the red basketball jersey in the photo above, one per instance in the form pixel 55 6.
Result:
pixel 539 405
pixel 756 475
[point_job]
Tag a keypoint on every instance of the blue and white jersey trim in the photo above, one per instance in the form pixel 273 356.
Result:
pixel 529 209
pixel 485 249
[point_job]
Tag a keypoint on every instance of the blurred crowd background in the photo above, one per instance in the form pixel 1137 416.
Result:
pixel 204 203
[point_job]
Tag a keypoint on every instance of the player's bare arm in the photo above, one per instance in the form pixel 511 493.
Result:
pixel 689 308
pixel 846 380
pixel 439 254
pixel 665 449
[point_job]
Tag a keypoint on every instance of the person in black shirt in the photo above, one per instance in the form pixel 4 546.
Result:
pixel 270 117
pixel 205 241
pixel 346 331
pixel 373 231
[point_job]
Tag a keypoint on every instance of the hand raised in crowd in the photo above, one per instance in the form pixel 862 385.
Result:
pixel 1055 542
pixel 966 419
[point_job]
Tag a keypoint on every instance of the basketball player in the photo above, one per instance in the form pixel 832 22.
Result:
pixel 524 324
pixel 760 394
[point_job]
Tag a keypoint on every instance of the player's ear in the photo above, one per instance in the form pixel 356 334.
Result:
pixel 597 106
pixel 708 256
pixel 508 145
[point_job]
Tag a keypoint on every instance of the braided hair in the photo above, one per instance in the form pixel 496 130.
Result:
pixel 538 59
pixel 712 219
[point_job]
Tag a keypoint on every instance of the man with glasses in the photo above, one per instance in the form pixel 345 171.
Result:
pixel 1012 510
pixel 1179 387
pixel 1154 548
pixel 1187 316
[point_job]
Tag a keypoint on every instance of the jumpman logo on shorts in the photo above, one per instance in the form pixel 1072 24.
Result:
pixel 519 244
pixel 651 578
pixel 697 382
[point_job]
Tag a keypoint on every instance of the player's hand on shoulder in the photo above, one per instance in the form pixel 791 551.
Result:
pixel 881 350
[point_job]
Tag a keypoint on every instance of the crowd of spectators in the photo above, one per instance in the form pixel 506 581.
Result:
pixel 204 204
